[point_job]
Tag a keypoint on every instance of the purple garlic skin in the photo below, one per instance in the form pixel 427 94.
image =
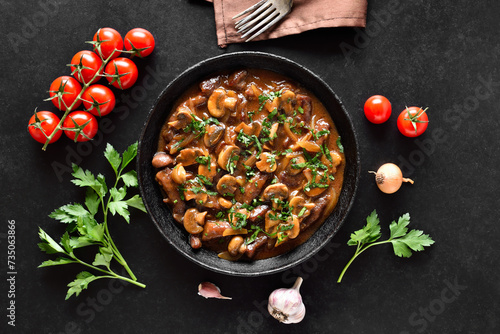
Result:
pixel 286 305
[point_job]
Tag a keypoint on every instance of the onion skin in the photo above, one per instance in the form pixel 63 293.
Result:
pixel 389 178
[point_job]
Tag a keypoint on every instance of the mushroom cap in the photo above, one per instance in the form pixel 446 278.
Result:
pixel 227 153
pixel 213 133
pixel 215 102
pixel 227 185
pixel 182 118
pixel 188 156
pixel 194 220
pixel 275 192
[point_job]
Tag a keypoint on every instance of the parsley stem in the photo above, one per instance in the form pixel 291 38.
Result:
pixel 358 252
pixel 110 273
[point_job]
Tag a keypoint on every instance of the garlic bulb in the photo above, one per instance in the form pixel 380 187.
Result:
pixel 286 305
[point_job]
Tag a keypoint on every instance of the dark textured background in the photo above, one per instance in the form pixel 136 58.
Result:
pixel 440 54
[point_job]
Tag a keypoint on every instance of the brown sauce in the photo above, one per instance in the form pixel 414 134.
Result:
pixel 249 164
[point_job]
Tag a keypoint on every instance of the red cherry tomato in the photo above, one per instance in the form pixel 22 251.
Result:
pixel 413 121
pixel 111 41
pixel 123 73
pixel 378 109
pixel 86 65
pixel 83 120
pixel 45 122
pixel 99 100
pixel 140 41
pixel 63 92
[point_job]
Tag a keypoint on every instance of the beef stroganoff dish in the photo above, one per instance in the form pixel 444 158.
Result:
pixel 250 164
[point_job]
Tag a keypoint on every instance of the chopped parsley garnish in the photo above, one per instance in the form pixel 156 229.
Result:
pixel 198 125
pixel 204 160
pixel 340 146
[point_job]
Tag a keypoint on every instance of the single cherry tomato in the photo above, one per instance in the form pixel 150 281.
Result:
pixel 42 124
pixel 85 64
pixel 140 41
pixel 63 92
pixel 84 123
pixel 378 109
pixel 413 121
pixel 122 73
pixel 99 100
pixel 111 43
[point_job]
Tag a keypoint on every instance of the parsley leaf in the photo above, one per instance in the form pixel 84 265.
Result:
pixel 403 242
pixel 84 230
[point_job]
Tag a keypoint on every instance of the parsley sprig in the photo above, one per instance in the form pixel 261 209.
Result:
pixel 83 229
pixel 402 241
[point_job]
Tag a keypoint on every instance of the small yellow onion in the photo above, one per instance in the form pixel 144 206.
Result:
pixel 389 178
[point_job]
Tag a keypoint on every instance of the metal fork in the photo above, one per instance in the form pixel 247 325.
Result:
pixel 264 14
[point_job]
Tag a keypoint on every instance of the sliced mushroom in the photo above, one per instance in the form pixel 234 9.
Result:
pixel 267 162
pixel 296 163
pixel 235 244
pixel 188 156
pixel 300 208
pixel 216 101
pixel 214 133
pixel 194 220
pixel 195 191
pixel 287 102
pixel 226 156
pixel 294 232
pixel 271 223
pixel 182 118
pixel 276 193
pixel 208 170
pixel 253 129
pixel 316 184
pixel 179 174
pixel 162 159
pixel 227 185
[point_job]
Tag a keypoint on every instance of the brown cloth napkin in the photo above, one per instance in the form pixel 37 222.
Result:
pixel 305 15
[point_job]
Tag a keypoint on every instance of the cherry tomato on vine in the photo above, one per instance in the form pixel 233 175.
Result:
pixel 377 109
pixel 99 100
pixel 413 121
pixel 122 73
pixel 44 122
pixel 85 64
pixel 63 92
pixel 140 41
pixel 110 40
pixel 84 123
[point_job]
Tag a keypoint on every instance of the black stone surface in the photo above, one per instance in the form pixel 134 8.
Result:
pixel 440 54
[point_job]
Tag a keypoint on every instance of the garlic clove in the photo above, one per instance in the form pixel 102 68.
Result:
pixel 210 290
pixel 286 305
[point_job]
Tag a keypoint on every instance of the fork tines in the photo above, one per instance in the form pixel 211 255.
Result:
pixel 264 14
